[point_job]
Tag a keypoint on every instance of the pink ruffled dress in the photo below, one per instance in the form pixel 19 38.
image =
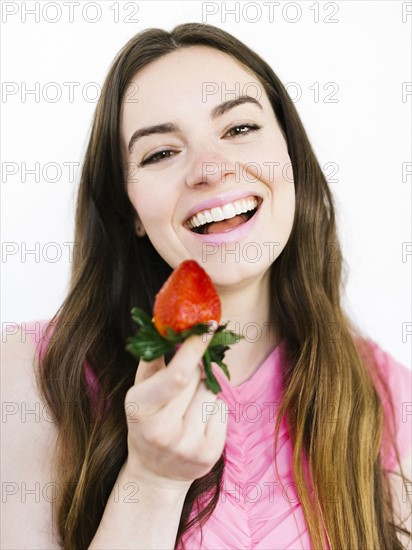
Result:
pixel 256 508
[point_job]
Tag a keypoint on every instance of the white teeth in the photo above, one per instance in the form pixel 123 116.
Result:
pixel 238 208
pixel 225 212
pixel 217 214
pixel 250 204
pixel 202 218
pixel 229 211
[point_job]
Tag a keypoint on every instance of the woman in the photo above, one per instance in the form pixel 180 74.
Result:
pixel 197 152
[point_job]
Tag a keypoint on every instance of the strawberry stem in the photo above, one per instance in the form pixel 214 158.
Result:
pixel 148 344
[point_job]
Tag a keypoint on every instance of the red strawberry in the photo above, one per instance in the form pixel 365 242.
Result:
pixel 185 305
pixel 187 298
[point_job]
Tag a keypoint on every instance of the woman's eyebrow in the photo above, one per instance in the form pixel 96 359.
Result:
pixel 166 128
pixel 221 109
pixel 169 127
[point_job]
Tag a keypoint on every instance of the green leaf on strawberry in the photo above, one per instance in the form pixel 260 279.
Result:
pixel 148 344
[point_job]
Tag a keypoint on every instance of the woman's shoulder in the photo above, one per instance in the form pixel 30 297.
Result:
pixel 397 402
pixel 28 433
pixel 387 363
pixel 37 335
pixel 21 346
pixel 397 376
pixel 27 337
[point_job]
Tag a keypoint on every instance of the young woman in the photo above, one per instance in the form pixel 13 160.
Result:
pixel 305 446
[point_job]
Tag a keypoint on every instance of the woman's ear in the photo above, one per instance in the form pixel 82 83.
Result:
pixel 140 230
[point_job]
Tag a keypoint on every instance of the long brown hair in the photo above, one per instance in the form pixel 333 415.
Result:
pixel 328 360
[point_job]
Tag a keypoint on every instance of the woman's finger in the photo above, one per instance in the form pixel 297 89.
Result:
pixel 216 427
pixel 178 406
pixel 167 383
pixel 202 406
pixel 146 369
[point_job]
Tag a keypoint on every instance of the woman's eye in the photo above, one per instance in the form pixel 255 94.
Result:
pixel 238 130
pixel 156 157
pixel 242 129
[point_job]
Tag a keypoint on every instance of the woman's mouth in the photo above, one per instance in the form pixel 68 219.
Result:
pixel 224 218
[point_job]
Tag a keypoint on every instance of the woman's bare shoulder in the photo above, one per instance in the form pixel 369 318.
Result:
pixel 28 437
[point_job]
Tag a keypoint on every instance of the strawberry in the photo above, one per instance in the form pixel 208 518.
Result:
pixel 187 304
pixel 188 297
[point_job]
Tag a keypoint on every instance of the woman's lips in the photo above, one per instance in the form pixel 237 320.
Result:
pixel 233 231
pixel 237 210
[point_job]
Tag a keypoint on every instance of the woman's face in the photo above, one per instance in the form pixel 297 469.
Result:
pixel 199 164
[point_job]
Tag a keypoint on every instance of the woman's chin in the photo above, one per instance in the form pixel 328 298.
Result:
pixel 232 274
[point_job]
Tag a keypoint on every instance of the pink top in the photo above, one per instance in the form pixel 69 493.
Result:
pixel 256 509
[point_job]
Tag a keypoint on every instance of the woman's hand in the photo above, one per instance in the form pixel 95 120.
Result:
pixel 172 440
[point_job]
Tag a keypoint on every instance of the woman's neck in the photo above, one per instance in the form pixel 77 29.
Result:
pixel 247 311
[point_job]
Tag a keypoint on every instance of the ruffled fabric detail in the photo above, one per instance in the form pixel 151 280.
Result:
pixel 256 508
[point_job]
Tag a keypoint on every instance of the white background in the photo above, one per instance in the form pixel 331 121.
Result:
pixel 367 133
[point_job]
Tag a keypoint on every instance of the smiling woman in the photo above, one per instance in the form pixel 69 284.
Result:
pixel 310 453
pixel 200 158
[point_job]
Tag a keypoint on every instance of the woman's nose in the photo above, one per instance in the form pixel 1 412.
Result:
pixel 207 166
